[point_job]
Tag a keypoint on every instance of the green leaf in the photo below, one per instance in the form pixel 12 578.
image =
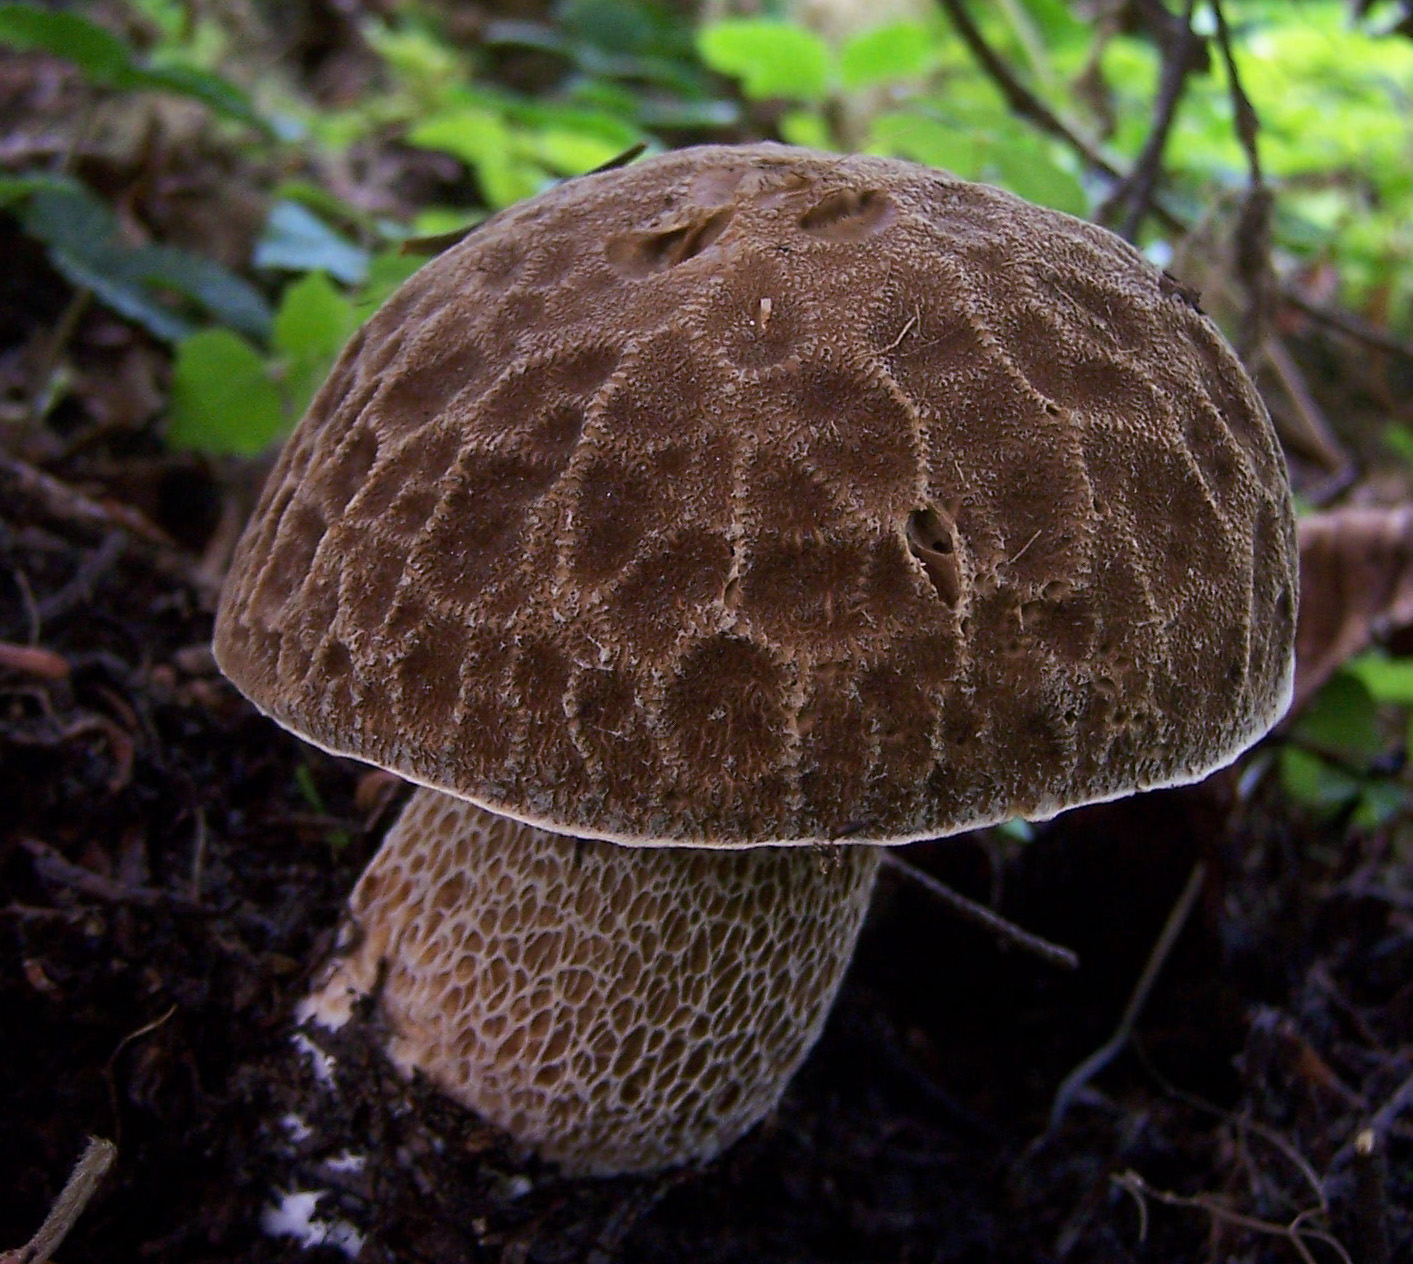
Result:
pixel 168 16
pixel 1017 829
pixel 570 152
pixel 1314 782
pixel 612 25
pixel 108 61
pixel 225 296
pixel 907 134
pixel 1387 679
pixel 1028 169
pixel 103 57
pixel 223 401
pixel 16 189
pixel 1006 156
pixel 214 92
pixel 386 271
pixel 481 138
pixel 298 240
pixel 1398 439
pixel 116 292
pixel 769 57
pixel 415 56
pixel 313 322
pixel 1379 802
pixel 886 54
pixel 1343 719
pixel 314 317
pixel 136 281
pixel 805 127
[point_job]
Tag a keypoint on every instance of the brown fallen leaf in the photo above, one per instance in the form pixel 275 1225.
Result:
pixel 1356 585
pixel 33 660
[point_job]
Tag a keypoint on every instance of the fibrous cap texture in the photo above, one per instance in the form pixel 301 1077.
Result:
pixel 611 1014
pixel 749 495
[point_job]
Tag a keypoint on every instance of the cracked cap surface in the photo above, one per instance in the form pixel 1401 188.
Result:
pixel 749 494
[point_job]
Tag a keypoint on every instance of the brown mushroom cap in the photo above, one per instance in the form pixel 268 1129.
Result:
pixel 753 495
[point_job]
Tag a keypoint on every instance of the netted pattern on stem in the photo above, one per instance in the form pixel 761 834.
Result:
pixel 613 1009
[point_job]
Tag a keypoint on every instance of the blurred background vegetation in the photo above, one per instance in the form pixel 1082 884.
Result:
pixel 201 200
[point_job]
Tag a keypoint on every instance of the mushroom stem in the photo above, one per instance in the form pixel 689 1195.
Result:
pixel 613 1008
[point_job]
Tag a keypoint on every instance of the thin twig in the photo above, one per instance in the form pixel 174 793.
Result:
pixel 902 333
pixel 1026 104
pixel 1387 1114
pixel 1016 557
pixel 1309 417
pixel 981 915
pixel 1244 113
pixel 1253 233
pixel 1296 1232
pixel 22 483
pixel 108 1077
pixel 78 590
pixel 50 864
pixel 1077 1079
pixel 33 660
pixel 1179 46
pixel 1241 1123
pixel 1020 98
pixel 1349 325
pixel 68 504
pixel 628 1213
pixel 83 1181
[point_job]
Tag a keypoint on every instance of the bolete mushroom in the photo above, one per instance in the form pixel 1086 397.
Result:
pixel 692 530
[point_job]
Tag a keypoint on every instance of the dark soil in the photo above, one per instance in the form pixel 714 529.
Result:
pixel 172 868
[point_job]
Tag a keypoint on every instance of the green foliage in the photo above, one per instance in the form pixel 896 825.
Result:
pixel 386 271
pixel 947 114
pixel 315 319
pixel 887 54
pixel 775 58
pixel 1025 164
pixel 771 58
pixel 1388 680
pixel 1336 132
pixel 640 43
pixel 514 146
pixel 297 240
pixel 1347 749
pixel 1332 100
pixel 224 400
pixel 107 61
pixel 160 287
pixel 1343 720
pixel 337 838
pixel 230 398
pixel 516 150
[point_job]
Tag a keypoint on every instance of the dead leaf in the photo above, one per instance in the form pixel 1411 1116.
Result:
pixel 1356 585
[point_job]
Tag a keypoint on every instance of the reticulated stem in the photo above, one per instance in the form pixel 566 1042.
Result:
pixel 613 1008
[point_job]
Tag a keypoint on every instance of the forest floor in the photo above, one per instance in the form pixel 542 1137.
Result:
pixel 173 869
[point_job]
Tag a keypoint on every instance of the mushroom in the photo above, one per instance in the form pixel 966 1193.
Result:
pixel 693 530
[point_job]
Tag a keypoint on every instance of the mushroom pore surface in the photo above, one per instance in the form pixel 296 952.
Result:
pixel 611 1016
pixel 743 496
pixel 751 495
